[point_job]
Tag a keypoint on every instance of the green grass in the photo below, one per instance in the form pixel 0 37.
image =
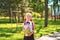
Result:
pixel 9 25
pixel 10 31
pixel 6 20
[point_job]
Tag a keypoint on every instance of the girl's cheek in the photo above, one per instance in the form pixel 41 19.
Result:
pixel 29 18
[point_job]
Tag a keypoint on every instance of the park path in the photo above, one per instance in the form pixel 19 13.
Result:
pixel 55 36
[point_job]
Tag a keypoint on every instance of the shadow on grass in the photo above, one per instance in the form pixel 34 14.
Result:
pixel 5 35
pixel 40 22
pixel 19 39
pixel 8 21
pixel 51 22
pixel 4 21
pixel 58 30
pixel 11 30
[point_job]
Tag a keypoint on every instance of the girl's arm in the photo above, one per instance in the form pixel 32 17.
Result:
pixel 23 28
pixel 33 30
pixel 31 33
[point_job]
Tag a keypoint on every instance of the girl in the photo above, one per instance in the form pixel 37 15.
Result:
pixel 28 27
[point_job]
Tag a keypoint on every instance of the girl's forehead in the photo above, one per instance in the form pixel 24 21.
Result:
pixel 28 14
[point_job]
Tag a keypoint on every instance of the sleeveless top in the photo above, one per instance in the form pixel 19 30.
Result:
pixel 29 24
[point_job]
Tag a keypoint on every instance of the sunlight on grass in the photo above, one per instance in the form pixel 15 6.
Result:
pixel 18 35
pixel 9 25
pixel 4 17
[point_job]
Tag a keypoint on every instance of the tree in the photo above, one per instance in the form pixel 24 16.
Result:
pixel 46 13
pixel 5 4
pixel 55 3
pixel 9 2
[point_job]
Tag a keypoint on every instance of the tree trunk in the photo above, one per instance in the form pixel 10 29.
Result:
pixel 51 12
pixel 18 16
pixel 9 12
pixel 46 13
pixel 54 14
pixel 55 4
pixel 22 11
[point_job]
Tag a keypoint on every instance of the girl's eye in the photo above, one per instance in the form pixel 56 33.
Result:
pixel 28 16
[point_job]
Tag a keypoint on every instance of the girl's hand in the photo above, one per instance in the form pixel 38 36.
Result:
pixel 30 34
pixel 24 30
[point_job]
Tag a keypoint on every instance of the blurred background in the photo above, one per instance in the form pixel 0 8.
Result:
pixel 46 16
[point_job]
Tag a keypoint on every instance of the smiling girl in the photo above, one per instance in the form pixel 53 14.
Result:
pixel 28 27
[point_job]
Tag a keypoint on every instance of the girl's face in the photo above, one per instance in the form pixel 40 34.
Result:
pixel 28 17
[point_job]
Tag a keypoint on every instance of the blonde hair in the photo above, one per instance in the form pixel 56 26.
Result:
pixel 27 15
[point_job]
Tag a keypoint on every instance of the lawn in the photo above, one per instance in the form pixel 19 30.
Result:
pixel 10 31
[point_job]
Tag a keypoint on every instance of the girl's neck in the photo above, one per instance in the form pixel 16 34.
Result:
pixel 28 20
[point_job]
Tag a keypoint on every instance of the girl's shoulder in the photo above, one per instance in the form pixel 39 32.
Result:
pixel 32 22
pixel 24 22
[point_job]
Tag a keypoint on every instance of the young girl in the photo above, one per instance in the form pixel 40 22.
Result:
pixel 28 27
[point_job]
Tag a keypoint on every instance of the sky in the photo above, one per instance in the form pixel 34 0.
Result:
pixel 50 2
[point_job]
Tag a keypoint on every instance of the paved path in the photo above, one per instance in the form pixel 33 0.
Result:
pixel 55 36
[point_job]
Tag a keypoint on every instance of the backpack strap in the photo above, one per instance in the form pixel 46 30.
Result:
pixel 24 23
pixel 32 26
